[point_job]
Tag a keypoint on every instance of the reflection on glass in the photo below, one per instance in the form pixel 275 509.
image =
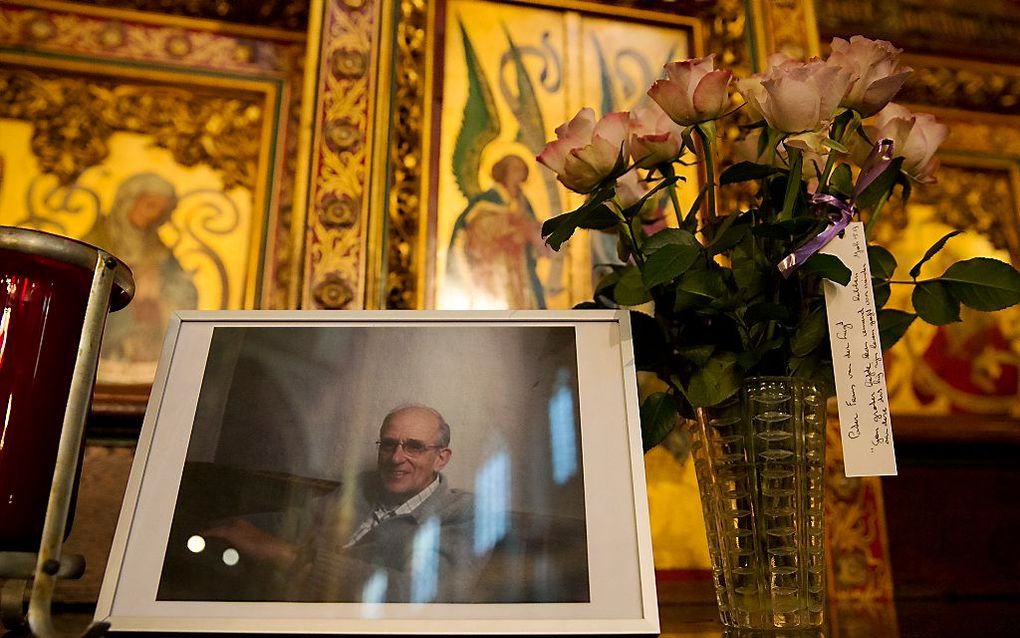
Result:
pixel 492 501
pixel 196 544
pixel 561 429
pixel 374 593
pixel 425 562
pixel 231 557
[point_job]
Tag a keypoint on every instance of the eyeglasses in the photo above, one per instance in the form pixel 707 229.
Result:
pixel 411 447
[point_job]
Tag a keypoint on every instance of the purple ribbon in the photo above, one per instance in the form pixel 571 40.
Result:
pixel 878 160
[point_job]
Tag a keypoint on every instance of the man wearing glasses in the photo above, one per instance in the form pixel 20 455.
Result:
pixel 414 544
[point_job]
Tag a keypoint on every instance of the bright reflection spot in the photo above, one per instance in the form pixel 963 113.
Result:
pixel 425 562
pixel 196 544
pixel 562 431
pixel 454 295
pixel 5 322
pixel 230 556
pixel 373 594
pixel 7 420
pixel 492 501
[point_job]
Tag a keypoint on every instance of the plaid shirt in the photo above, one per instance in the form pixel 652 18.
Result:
pixel 382 513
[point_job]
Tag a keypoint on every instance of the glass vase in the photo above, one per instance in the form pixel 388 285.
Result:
pixel 760 462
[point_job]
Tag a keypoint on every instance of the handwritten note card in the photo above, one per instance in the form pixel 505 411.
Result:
pixel 857 362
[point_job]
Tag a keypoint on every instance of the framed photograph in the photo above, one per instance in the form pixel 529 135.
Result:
pixel 388 472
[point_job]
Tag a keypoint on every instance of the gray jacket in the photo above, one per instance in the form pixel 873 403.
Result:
pixel 425 556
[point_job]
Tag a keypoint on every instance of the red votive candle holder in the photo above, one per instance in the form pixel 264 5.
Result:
pixel 45 281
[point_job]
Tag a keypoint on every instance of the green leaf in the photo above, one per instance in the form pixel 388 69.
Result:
pixel 749 268
pixel 592 214
pixel 892 324
pixel 830 267
pixel 608 280
pixel 882 290
pixel 630 290
pixel 744 171
pixel 750 358
pixel 667 264
pixel 935 248
pixel 669 237
pixel 685 300
pixel 763 143
pixel 983 283
pixel 766 311
pixel 650 348
pixel 834 145
pixel 882 262
pixel 698 355
pixel 809 334
pixel 730 233
pixel 658 418
pixel 715 382
pixel 842 180
pixel 934 304
pixel 804 367
pixel 704 283
pixel 881 186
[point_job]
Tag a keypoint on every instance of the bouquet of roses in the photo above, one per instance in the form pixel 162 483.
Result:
pixel 740 294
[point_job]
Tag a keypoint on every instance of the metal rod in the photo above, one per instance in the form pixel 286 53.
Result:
pixel 39 609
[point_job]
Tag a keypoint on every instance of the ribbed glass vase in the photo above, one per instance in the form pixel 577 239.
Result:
pixel 760 463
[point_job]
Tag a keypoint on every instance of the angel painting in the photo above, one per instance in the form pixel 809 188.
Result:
pixel 508 70
pixel 496 244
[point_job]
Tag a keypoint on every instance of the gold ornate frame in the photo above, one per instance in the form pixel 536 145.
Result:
pixel 122 70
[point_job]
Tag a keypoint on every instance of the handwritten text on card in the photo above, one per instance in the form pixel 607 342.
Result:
pixel 857 362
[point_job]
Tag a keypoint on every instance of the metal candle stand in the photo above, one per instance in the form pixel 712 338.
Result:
pixel 42 570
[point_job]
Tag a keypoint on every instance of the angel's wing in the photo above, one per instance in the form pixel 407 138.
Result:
pixel 479 126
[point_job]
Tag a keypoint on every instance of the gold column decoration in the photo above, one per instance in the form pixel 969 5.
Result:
pixel 346 90
pixel 855 533
pixel 404 286
pixel 783 26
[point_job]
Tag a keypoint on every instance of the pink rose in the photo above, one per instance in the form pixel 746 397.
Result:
pixel 654 137
pixel 874 72
pixel 746 150
pixel 693 92
pixel 586 152
pixel 629 189
pixel 796 97
pixel 915 136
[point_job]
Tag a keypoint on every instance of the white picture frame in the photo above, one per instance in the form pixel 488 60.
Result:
pixel 263 417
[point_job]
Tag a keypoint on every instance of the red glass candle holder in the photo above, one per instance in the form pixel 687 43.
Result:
pixel 45 283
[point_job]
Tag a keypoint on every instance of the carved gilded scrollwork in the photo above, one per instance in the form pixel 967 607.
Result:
pixel 406 159
pixel 85 32
pixel 790 28
pixel 74 119
pixel 987 30
pixel 339 175
pixel 969 197
pixel 284 14
pixel 988 88
pixel 855 530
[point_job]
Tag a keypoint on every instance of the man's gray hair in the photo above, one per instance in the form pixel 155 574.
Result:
pixel 444 427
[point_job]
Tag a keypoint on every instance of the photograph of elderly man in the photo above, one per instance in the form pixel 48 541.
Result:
pixel 317 491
